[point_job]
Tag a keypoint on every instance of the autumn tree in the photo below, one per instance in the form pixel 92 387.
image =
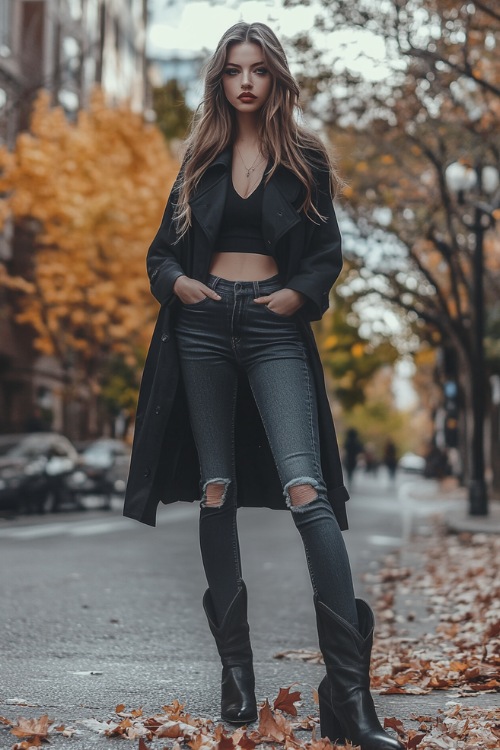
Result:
pixel 94 190
pixel 348 357
pixel 173 115
pixel 439 103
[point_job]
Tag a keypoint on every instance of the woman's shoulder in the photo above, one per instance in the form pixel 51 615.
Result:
pixel 313 149
pixel 318 160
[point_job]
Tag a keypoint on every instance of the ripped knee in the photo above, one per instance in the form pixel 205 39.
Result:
pixel 214 493
pixel 301 492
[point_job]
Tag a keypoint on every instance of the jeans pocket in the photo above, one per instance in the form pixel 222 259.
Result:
pixel 277 315
pixel 196 304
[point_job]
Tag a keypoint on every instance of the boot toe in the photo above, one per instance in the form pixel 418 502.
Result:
pixel 238 716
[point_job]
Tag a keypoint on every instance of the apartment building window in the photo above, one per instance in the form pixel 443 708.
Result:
pixel 5 27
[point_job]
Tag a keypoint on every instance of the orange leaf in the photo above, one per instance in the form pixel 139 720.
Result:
pixel 173 731
pixel 175 710
pixel 196 742
pixel 414 740
pixel 224 743
pixel 458 666
pixel 246 743
pixel 395 724
pixel 32 727
pixel 267 724
pixel 285 701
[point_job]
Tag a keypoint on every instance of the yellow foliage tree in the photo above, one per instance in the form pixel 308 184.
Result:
pixel 95 188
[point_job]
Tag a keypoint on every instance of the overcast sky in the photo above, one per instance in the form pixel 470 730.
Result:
pixel 195 25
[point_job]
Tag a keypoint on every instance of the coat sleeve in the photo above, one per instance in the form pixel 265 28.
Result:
pixel 321 263
pixel 163 260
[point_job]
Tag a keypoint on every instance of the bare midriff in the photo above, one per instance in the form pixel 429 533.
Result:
pixel 243 266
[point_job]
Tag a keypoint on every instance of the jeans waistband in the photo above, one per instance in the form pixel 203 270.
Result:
pixel 246 288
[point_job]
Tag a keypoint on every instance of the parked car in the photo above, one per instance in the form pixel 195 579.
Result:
pixel 34 468
pixel 102 470
pixel 411 463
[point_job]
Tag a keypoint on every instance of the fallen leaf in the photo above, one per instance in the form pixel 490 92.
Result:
pixel 170 729
pixel 268 727
pixel 414 739
pixel 285 701
pixel 395 724
pixel 32 727
pixel 301 654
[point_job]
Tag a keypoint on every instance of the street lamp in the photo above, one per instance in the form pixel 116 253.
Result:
pixel 462 179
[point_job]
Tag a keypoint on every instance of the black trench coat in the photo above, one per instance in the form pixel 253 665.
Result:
pixel 164 464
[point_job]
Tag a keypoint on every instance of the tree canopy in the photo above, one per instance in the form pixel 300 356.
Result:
pixel 94 191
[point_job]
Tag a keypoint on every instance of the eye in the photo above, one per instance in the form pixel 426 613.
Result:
pixel 230 72
pixel 261 71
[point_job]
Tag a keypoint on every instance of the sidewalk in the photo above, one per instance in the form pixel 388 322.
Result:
pixel 418 497
pixel 439 621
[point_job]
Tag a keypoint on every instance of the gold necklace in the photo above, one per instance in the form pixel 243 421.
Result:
pixel 254 165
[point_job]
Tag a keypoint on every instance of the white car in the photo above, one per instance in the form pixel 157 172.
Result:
pixel 412 463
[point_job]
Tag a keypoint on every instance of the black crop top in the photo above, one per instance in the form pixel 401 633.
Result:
pixel 240 230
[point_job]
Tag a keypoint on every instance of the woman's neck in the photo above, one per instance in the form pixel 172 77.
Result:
pixel 248 131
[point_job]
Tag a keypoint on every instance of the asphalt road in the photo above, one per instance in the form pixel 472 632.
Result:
pixel 98 610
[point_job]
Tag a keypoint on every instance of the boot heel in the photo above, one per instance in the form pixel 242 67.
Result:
pixel 328 722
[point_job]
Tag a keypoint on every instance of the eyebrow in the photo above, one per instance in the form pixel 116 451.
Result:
pixel 235 65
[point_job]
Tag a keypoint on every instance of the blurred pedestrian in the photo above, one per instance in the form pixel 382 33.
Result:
pixel 244 259
pixel 353 448
pixel 370 459
pixel 390 458
pixel 36 422
pixel 436 463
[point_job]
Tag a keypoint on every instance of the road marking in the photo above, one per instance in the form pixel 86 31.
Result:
pixel 385 541
pixel 33 532
pixel 91 528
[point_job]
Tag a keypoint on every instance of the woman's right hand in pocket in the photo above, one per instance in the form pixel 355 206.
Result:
pixel 191 291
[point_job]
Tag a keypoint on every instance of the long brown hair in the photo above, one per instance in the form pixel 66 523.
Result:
pixel 284 141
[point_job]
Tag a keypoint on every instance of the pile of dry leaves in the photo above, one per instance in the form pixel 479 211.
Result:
pixel 459 648
pixel 457 578
pixel 456 728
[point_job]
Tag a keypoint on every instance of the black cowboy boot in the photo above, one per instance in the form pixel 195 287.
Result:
pixel 238 705
pixel 346 707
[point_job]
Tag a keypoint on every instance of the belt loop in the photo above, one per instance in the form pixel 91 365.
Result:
pixel 214 283
pixel 256 289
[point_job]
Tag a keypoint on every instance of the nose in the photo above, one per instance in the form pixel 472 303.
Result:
pixel 245 81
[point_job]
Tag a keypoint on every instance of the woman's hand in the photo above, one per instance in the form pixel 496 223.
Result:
pixel 283 302
pixel 191 291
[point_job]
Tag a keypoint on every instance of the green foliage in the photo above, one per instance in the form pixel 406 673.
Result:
pixel 119 384
pixel 172 113
pixel 351 359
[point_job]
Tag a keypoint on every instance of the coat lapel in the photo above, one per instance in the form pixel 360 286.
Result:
pixel 278 213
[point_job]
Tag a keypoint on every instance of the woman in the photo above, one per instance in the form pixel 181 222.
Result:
pixel 233 402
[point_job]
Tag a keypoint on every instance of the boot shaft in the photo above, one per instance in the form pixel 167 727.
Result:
pixel 232 636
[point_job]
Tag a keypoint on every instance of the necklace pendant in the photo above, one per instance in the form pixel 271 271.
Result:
pixel 248 173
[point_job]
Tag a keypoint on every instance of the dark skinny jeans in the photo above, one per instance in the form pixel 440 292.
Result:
pixel 215 338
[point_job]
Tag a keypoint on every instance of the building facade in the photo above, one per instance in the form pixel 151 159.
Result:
pixel 65 47
pixel 68 46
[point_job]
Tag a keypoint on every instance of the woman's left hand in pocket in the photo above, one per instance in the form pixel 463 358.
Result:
pixel 283 302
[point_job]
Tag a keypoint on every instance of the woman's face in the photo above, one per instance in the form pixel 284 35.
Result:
pixel 246 80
